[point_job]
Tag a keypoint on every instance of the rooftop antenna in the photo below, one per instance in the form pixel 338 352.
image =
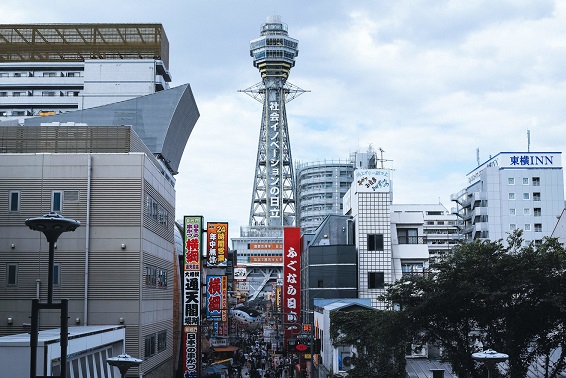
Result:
pixel 381 159
pixel 478 155
pixel 528 140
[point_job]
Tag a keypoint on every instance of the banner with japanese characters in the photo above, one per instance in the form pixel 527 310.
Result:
pixel 291 280
pixel 372 181
pixel 217 298
pixel 217 244
pixel 191 295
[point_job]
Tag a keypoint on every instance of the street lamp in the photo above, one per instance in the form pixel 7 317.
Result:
pixel 123 362
pixel 490 357
pixel 52 225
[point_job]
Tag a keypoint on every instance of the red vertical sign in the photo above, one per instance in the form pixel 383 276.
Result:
pixel 291 280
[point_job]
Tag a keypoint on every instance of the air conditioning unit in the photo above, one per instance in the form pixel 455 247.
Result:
pixel 345 358
pixel 347 361
pixel 418 350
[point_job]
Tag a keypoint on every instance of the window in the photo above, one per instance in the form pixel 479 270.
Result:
pixel 57 274
pixel 536 181
pixel 156 278
pixel 525 181
pixel 511 196
pixel 56 201
pixel 526 196
pixel 11 274
pixel 156 211
pixel 511 211
pixel 320 283
pixel 48 93
pixel 511 181
pixel 407 236
pixel 536 196
pixel 49 74
pixel 3 94
pixel 375 242
pixel 538 227
pixel 149 346
pixel 376 280
pixel 412 268
pixel 537 211
pixel 526 211
pixel 512 226
pixel 161 341
pixel 527 227
pixel 14 201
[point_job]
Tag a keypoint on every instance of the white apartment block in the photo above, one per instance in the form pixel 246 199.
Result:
pixel 512 190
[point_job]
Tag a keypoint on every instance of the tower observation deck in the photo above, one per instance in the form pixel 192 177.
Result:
pixel 273 53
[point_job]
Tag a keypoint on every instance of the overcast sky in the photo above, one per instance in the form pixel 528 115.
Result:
pixel 429 82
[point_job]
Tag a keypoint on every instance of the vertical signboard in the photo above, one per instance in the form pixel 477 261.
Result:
pixel 291 279
pixel 216 298
pixel 191 296
pixel 275 164
pixel 217 244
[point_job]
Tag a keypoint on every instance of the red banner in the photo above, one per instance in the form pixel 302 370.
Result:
pixel 291 280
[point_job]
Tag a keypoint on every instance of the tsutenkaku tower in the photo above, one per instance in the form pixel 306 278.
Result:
pixel 273 197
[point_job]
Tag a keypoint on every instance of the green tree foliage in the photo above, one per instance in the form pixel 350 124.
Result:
pixel 511 299
pixel 379 337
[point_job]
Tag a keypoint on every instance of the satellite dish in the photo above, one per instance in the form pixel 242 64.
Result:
pixel 347 361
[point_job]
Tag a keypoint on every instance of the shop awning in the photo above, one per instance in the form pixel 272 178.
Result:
pixel 229 348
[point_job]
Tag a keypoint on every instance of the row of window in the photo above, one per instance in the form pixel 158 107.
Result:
pixel 30 112
pixel 535 181
pixel 155 343
pixel 12 274
pixel 527 227
pixel 155 277
pixel 41 74
pixel 537 211
pixel 58 198
pixel 156 211
pixel 526 196
pixel 43 93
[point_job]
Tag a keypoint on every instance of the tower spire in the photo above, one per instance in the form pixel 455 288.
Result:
pixel 273 197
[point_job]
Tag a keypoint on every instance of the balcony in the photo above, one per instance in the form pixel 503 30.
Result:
pixel 411 239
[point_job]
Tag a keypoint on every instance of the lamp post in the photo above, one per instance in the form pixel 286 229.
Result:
pixel 490 357
pixel 123 362
pixel 52 225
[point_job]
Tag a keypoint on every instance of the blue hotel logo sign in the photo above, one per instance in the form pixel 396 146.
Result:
pixel 517 160
pixel 538 160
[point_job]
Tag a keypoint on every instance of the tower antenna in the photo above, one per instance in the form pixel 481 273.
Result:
pixel 478 155
pixel 528 140
pixel 273 197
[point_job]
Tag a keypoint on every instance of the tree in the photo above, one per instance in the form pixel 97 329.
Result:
pixel 379 337
pixel 485 295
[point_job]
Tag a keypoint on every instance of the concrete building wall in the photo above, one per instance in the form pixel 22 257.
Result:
pixel 124 239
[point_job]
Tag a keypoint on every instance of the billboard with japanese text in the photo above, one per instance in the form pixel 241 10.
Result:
pixel 217 298
pixel 291 279
pixel 217 244
pixel 192 226
pixel 372 181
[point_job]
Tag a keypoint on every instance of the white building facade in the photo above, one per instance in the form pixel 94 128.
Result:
pixel 54 68
pixel 512 190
